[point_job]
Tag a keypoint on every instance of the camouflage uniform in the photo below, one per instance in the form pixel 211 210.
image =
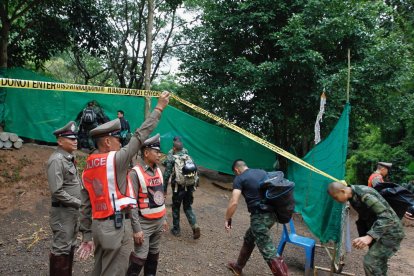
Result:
pixel 378 220
pixel 180 194
pixel 258 232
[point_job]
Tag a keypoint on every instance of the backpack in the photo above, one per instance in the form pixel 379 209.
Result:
pixel 399 198
pixel 277 195
pixel 88 116
pixel 185 170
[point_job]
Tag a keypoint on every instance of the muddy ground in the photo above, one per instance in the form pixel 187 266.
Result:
pixel 25 234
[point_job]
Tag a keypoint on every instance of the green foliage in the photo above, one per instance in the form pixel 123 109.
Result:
pixel 263 64
pixel 371 150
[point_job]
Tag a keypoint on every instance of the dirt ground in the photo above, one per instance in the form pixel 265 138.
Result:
pixel 25 235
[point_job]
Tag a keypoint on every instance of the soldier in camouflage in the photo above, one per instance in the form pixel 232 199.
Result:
pixel 379 227
pixel 181 194
pixel 247 182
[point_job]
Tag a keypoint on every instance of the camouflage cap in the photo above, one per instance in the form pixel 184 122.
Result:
pixel 111 128
pixel 68 131
pixel 385 164
pixel 153 142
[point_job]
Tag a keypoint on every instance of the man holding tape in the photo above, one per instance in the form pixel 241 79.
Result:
pixel 107 198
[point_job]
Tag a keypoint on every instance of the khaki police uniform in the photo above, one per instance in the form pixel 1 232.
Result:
pixel 146 254
pixel 113 246
pixel 65 186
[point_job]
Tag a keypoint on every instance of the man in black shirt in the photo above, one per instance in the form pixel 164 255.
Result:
pixel 247 182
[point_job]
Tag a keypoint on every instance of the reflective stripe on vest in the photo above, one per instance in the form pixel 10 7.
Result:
pixel 144 200
pixel 99 179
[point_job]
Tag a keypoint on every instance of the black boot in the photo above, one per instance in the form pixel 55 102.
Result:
pixel 59 265
pixel 150 268
pixel 135 265
pixel 72 253
pixel 278 267
pixel 244 255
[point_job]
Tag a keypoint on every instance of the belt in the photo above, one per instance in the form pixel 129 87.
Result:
pixel 57 204
pixel 125 216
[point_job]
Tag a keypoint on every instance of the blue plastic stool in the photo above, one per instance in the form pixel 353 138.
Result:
pixel 307 243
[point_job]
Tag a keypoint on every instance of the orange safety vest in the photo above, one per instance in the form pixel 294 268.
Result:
pixel 372 176
pixel 151 193
pixel 99 179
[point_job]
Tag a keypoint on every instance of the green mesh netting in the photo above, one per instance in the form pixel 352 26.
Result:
pixel 36 113
pixel 322 214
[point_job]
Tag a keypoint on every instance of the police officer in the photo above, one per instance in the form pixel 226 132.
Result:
pixel 380 174
pixel 181 194
pixel 65 187
pixel 107 197
pixel 247 182
pixel 146 179
pixel 379 227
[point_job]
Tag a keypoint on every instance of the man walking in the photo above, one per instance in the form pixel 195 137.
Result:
pixel 125 129
pixel 107 198
pixel 183 186
pixel 247 183
pixel 378 225
pixel 146 179
pixel 65 189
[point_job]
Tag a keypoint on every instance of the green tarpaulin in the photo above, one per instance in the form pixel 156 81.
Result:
pixel 36 113
pixel 322 214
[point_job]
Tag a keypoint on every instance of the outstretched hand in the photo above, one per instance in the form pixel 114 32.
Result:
pixel 85 250
pixel 163 100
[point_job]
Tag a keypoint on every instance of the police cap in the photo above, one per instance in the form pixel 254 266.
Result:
pixel 153 142
pixel 68 131
pixel 111 128
pixel 385 164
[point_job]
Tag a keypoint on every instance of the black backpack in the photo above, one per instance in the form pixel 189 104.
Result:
pixel 89 116
pixel 277 195
pixel 399 198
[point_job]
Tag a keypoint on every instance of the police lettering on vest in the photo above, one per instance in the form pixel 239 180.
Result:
pixel 151 194
pixel 99 179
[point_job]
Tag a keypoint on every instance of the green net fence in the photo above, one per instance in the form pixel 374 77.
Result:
pixel 37 113
pixel 322 214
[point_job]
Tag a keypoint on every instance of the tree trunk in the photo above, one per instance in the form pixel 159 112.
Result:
pixel 4 42
pixel 148 58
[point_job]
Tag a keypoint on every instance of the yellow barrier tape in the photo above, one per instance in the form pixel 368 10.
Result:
pixel 29 84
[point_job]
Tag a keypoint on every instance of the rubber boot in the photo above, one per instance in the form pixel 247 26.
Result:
pixel 150 268
pixel 135 265
pixel 244 255
pixel 278 266
pixel 71 255
pixel 196 232
pixel 59 265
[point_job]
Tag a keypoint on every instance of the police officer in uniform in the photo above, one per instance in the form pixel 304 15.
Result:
pixel 146 179
pixel 380 174
pixel 378 225
pixel 107 198
pixel 65 187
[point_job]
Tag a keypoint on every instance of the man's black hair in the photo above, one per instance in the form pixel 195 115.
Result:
pixel 120 111
pixel 235 164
